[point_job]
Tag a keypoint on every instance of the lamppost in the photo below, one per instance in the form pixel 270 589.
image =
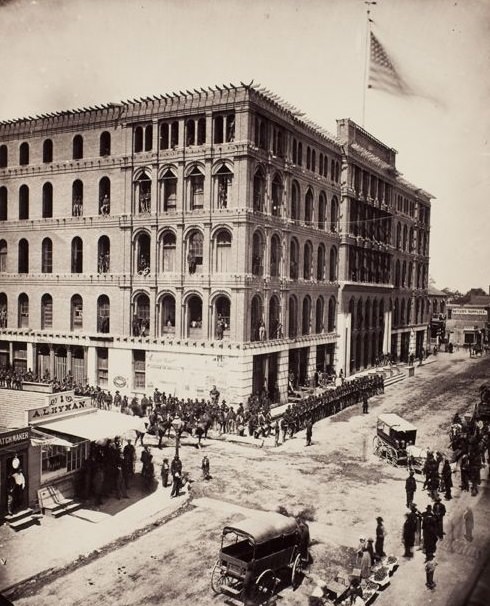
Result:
pixel 177 425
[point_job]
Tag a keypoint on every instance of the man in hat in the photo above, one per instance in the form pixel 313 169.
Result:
pixel 409 530
pixel 429 532
pixel 439 510
pixel 410 488
pixel 380 538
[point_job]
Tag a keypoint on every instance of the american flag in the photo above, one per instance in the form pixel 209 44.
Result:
pixel 382 73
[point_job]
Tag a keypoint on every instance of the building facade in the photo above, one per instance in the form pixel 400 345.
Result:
pixel 212 236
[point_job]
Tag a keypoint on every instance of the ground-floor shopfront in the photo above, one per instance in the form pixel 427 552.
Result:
pixel 17 470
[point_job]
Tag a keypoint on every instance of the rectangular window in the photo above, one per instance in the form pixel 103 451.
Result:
pixel 102 366
pixel 139 367
pixel 20 357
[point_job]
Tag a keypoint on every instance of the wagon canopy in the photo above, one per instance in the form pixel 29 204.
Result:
pixel 263 527
pixel 395 422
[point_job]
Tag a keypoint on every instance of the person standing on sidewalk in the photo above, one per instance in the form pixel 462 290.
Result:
pixel 439 510
pixel 164 473
pixel 309 432
pixel 365 403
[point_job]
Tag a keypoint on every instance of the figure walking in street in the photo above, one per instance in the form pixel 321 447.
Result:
pixel 365 404
pixel 205 468
pixel 309 432
pixel 447 480
pixel 176 471
pixel 468 524
pixel 409 530
pixel 410 488
pixel 439 510
pixel 380 538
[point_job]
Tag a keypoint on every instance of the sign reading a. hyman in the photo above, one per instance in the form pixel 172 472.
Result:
pixel 59 404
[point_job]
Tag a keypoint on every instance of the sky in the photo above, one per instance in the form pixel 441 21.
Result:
pixel 64 54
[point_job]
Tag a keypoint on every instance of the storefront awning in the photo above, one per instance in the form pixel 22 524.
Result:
pixel 39 438
pixel 98 425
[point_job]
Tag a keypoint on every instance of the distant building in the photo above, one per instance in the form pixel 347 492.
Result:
pixel 213 236
pixel 469 323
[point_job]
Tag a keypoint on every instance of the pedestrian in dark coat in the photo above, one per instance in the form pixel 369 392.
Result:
pixel 164 473
pixel 439 510
pixel 429 531
pixel 365 404
pixel 447 478
pixel 410 488
pixel 380 538
pixel 409 530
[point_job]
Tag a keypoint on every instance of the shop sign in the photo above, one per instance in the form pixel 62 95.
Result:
pixel 15 437
pixel 59 404
pixel 468 312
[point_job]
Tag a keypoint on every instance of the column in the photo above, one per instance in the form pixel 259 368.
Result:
pixel 31 357
pixel 51 361
pixel 91 361
pixel 282 375
pixel 69 355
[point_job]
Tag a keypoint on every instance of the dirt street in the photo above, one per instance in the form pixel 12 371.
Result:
pixel 338 480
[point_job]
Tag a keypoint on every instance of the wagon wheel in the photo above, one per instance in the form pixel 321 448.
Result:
pixel 391 455
pixel 297 570
pixel 219 578
pixel 376 445
pixel 265 585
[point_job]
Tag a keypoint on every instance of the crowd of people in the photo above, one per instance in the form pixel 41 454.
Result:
pixel 11 378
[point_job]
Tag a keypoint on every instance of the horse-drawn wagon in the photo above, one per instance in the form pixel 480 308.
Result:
pixel 393 436
pixel 258 554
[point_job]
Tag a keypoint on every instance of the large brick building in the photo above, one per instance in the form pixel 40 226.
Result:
pixel 207 237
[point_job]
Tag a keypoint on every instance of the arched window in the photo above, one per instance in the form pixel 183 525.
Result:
pixel 46 312
pixel 397 273
pixel 313 160
pixel 396 313
pixel 257 254
pixel 104 196
pixel 167 314
pixel 300 154
pixel 77 147
pixel 308 157
pixel 306 316
pixel 47 256
pixel 140 326
pixel 47 151
pixel 47 210
pixel 276 197
pixel 331 314
pixel 275 326
pixel 308 261
pixel 3 310
pixel 3 256
pixel 190 130
pixel 259 191
pixel 103 314
pixel 168 186
pixel 293 317
pixel 24 154
pixel 367 323
pixel 398 236
pixel 256 318
pixel 143 194
pixel 334 214
pixel 223 251
pixel 76 313
pixel 143 255
pixel 23 202
pixel 322 210
pixel 320 265
pixel 295 152
pixel 194 316
pixel 169 252
pixel 195 250
pixel 309 207
pixel 23 260
pixel 294 260
pixel 402 313
pixel 3 204
pixel 405 237
pixel 201 131
pixel 275 256
pixel 223 180
pixel 295 204
pixel 23 307
pixel 359 315
pixel 222 313
pixel 333 264
pixel 103 255
pixel 3 156
pixel 77 198
pixel 105 144
pixel 76 256
pixel 219 131
pixel 319 316
pixel 195 189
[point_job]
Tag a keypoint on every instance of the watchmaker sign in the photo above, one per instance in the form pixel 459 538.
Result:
pixel 16 438
pixel 57 405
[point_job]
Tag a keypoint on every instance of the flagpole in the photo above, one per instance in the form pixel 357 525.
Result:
pixel 366 59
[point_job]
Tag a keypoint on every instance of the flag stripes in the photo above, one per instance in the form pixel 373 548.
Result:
pixel 382 73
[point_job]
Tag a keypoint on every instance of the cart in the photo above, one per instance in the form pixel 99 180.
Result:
pixel 259 553
pixel 392 437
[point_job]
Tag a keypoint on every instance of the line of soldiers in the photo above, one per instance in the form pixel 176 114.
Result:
pixel 330 402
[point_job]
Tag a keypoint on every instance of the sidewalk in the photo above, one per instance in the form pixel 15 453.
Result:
pixel 55 543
